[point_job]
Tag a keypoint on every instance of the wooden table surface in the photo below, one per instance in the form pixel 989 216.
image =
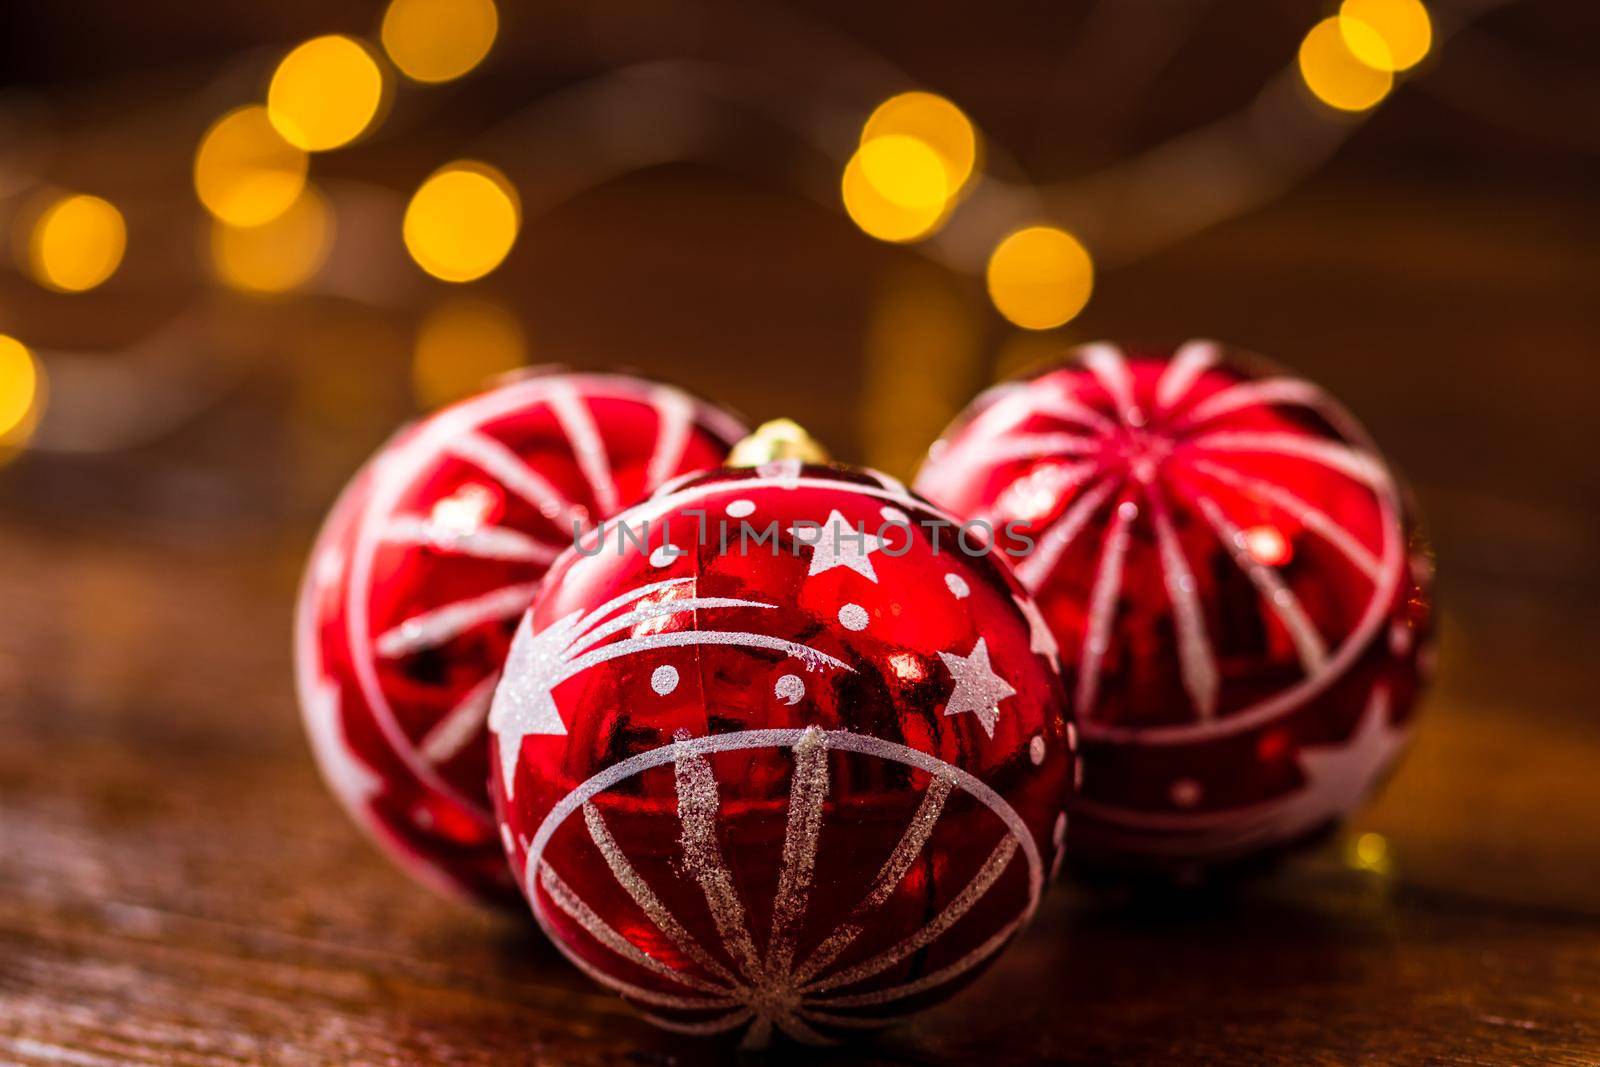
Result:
pixel 176 886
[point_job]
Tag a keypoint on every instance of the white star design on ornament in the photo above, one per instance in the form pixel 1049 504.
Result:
pixel 1339 775
pixel 839 544
pixel 1041 641
pixel 978 688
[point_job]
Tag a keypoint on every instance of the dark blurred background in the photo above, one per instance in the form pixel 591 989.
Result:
pixel 172 431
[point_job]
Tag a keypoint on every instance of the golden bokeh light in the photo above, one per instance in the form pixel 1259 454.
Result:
pixel 1402 26
pixel 437 40
pixel 1335 74
pixel 934 121
pixel 1040 277
pixel 1370 852
pixel 885 218
pixel 325 93
pixel 279 255
pixel 21 392
pixel 462 344
pixel 904 171
pixel 77 243
pixel 245 173
pixel 462 221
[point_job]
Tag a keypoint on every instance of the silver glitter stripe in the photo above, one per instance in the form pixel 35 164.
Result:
pixel 1253 394
pixel 838 741
pixel 513 472
pixel 710 1026
pixel 485 542
pixel 698 806
pixel 654 611
pixel 433 628
pixel 626 598
pixel 1033 445
pixel 759 1035
pixel 1102 610
pixel 1197 663
pixel 1280 598
pixel 587 445
pixel 808 791
pixel 1070 410
pixel 1105 362
pixel 461 723
pixel 674 413
pixel 1318 522
pixel 597 928
pixel 680 638
pixel 1188 363
pixel 639 890
pixel 1035 568
pixel 888 879
pixel 974 890
pixel 1362 466
pixel 926 982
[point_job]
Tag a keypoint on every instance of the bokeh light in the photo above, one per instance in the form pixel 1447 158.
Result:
pixel 462 344
pixel 21 392
pixel 325 93
pixel 1267 545
pixel 279 255
pixel 1040 277
pixel 437 40
pixel 462 221
pixel 908 169
pixel 1403 26
pixel 934 121
pixel 1336 74
pixel 245 173
pixel 1370 852
pixel 904 171
pixel 77 243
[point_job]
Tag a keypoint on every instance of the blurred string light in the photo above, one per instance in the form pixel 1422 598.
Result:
pixel 77 243
pixel 1370 852
pixel 462 344
pixel 1040 277
pixel 1403 26
pixel 438 40
pixel 325 93
pixel 21 394
pixel 245 173
pixel 278 255
pixel 462 221
pixel 1336 73
pixel 934 121
pixel 916 154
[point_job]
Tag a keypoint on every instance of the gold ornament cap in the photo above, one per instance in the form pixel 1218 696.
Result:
pixel 778 439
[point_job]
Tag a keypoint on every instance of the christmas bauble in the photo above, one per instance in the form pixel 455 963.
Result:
pixel 1238 591
pixel 792 765
pixel 418 578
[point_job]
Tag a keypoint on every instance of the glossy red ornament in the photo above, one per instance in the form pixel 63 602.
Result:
pixel 801 784
pixel 1237 588
pixel 421 572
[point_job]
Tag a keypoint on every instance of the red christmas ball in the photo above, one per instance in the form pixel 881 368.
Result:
pixel 793 765
pixel 418 578
pixel 1235 581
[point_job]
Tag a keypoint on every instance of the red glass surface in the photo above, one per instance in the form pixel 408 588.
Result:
pixel 795 786
pixel 1235 581
pixel 417 580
